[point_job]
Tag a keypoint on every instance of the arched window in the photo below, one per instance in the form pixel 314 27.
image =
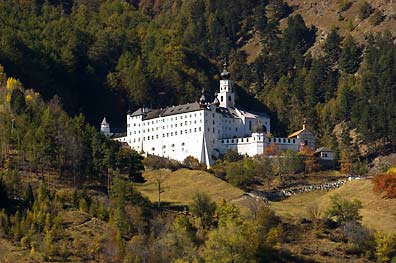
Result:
pixel 221 98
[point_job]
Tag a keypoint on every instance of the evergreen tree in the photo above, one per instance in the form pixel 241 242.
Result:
pixel 350 56
pixel 332 47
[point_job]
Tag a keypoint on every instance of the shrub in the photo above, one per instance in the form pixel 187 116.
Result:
pixel 344 210
pixel 193 163
pixel 344 5
pixel 385 247
pixel 385 183
pixel 240 173
pixel 156 163
pixel 232 156
pixel 203 208
pixel 365 10
pixel 376 18
pixel 360 238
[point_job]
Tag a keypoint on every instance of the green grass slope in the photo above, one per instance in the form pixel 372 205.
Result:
pixel 181 185
pixel 378 213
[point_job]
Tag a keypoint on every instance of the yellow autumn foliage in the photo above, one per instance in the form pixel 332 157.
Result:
pixel 13 84
pixel 28 98
pixel 391 170
pixel 8 97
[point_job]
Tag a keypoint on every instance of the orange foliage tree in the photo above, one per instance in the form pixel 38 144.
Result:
pixel 310 161
pixel 385 183
pixel 271 150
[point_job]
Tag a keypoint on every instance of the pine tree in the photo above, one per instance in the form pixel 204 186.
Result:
pixel 350 56
pixel 332 47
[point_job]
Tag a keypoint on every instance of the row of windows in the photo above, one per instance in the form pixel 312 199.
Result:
pixel 172 118
pixel 167 127
pixel 164 146
pixel 163 127
pixel 235 140
pixel 282 140
pixel 173 133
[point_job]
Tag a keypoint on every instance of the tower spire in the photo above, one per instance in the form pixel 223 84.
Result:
pixel 225 74
pixel 202 100
pixel 226 95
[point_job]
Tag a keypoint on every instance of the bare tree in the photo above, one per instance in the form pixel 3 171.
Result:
pixel 159 180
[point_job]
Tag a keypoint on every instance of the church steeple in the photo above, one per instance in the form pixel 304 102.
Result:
pixel 226 95
pixel 202 100
pixel 225 74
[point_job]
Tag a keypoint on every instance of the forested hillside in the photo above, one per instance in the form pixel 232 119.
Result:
pixel 104 57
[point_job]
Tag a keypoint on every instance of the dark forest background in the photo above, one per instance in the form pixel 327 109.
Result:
pixel 104 57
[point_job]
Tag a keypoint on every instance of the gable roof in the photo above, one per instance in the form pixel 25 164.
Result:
pixel 168 111
pixel 295 134
pixel 323 149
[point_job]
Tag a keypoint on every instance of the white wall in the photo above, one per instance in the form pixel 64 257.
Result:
pixel 327 156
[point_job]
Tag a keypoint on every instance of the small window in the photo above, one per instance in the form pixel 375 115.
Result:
pixel 229 98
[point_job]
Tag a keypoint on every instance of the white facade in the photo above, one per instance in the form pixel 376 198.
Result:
pixel 202 130
pixel 325 154
pixel 105 127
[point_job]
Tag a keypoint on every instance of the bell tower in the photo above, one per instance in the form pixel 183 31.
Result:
pixel 226 95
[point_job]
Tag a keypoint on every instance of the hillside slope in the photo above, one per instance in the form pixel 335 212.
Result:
pixel 180 186
pixel 328 14
pixel 378 213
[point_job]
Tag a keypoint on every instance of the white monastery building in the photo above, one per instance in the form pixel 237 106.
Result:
pixel 206 130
